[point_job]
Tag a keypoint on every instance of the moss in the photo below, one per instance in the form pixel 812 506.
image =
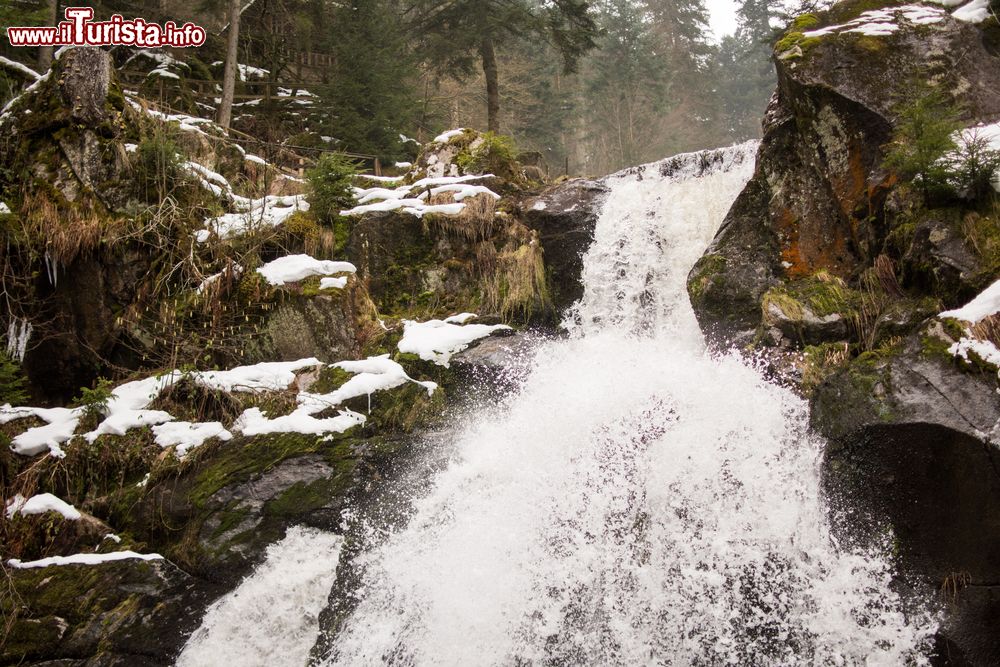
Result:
pixel 306 497
pixel 795 38
pixel 330 379
pixel 821 361
pixel 407 407
pixel 77 602
pixel 302 224
pixel 872 44
pixel 804 22
pixel 789 41
pixel 708 271
pixel 982 230
pixel 240 459
pixel 494 154
pixel 822 294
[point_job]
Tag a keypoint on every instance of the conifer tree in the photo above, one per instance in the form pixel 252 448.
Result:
pixel 455 34
pixel 624 83
pixel 370 92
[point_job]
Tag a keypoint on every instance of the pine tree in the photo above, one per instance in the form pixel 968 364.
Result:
pixel 456 34
pixel 687 120
pixel 624 82
pixel 746 73
pixel 369 93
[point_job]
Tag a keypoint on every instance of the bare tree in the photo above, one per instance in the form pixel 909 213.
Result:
pixel 225 116
pixel 45 52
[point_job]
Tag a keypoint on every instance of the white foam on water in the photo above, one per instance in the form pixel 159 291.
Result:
pixel 271 618
pixel 638 501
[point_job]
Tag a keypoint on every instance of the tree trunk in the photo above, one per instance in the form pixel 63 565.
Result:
pixel 45 52
pixel 229 75
pixel 489 57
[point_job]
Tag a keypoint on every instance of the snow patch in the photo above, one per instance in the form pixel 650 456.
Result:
pixel 81 559
pixel 60 424
pixel 371 375
pixel 884 22
pixel 445 137
pixel 292 268
pixel 411 199
pixel 438 340
pixel 985 304
pixel 984 349
pixel 976 11
pixel 40 504
pixel 127 406
pixel 333 283
pixel 265 376
pixel 186 435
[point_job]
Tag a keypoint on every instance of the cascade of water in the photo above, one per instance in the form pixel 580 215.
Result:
pixel 271 617
pixel 637 500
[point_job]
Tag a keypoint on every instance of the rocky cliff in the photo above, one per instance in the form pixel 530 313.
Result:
pixel 835 264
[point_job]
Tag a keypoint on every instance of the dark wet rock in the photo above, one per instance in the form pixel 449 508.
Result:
pixel 913 464
pixel 565 216
pixel 497 364
pixel 128 612
pixel 826 252
pixel 916 383
pixel 331 325
pixel 941 258
pixel 932 495
pixel 442 265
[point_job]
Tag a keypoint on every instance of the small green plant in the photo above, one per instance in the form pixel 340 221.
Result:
pixel 495 154
pixel 926 124
pixel 157 166
pixel 330 186
pixel 95 401
pixel 13 386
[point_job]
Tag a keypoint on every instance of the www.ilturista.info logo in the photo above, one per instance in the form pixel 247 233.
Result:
pixel 79 30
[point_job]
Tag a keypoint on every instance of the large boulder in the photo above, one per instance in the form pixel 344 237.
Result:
pixel 565 216
pixel 817 200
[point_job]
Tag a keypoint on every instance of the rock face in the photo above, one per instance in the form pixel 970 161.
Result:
pixel 833 267
pixel 565 216
pixel 817 200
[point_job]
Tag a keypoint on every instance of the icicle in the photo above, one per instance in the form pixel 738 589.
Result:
pixel 51 268
pixel 18 334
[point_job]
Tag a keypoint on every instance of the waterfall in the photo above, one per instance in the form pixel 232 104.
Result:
pixel 271 617
pixel 637 500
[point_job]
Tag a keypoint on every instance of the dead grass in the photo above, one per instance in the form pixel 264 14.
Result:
pixel 988 329
pixel 474 223
pixel 65 235
pixel 516 286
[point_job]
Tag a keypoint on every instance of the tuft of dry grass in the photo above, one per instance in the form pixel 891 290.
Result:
pixel 474 223
pixel 885 272
pixel 64 235
pixel 988 329
pixel 517 287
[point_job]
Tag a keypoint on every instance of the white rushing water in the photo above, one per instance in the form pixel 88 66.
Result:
pixel 637 501
pixel 272 616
